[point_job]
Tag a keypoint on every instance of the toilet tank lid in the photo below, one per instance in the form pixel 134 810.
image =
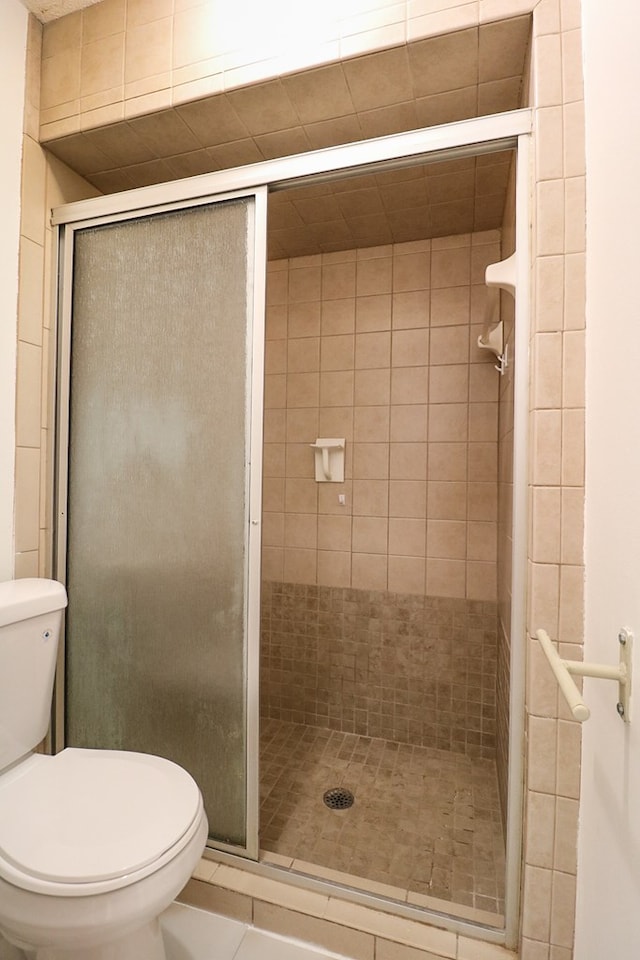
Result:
pixel 22 599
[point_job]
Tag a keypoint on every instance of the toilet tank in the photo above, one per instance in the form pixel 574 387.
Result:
pixel 30 621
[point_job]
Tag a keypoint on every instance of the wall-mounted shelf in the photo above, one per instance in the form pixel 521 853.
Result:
pixel 329 459
pixel 564 669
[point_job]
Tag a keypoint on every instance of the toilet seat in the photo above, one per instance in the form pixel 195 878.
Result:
pixel 87 821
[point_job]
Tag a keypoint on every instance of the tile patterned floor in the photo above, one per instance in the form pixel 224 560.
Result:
pixel 425 821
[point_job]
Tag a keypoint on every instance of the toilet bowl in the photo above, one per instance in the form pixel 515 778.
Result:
pixel 94 844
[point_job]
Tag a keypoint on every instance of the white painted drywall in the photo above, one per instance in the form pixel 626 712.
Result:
pixel 608 912
pixel 13 44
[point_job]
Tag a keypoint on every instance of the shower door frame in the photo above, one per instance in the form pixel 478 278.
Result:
pixel 465 138
pixel 254 391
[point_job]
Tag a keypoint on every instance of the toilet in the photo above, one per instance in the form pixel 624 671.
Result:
pixel 94 844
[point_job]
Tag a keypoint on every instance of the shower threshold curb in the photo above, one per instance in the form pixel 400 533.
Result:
pixel 435 934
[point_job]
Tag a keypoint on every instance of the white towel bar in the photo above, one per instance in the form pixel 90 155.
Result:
pixel 563 669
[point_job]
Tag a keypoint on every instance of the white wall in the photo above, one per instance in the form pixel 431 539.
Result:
pixel 13 40
pixel 608 914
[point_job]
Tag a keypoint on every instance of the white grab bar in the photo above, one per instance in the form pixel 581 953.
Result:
pixel 563 669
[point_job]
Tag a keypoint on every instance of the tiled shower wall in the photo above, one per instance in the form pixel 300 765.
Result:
pixel 373 613
pixel 401 667
pixel 378 346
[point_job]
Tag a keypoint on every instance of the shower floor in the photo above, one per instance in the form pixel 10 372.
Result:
pixel 425 823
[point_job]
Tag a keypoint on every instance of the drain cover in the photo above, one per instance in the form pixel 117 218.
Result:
pixel 338 798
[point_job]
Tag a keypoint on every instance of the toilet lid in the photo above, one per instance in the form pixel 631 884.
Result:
pixel 89 815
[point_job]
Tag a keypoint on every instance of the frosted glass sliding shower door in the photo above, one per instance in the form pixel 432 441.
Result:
pixel 156 491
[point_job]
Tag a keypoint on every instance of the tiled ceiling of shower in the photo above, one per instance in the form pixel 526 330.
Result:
pixel 469 73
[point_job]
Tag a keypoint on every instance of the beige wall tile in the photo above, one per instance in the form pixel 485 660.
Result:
pixel 547 371
pixel 547 447
pixel 572 526
pixel 62 35
pixel 338 281
pixel 447 539
pixel 143 11
pixel 574 217
pixel 272 529
pixel 550 217
pixel 338 317
pixel 30 302
pixel 536 915
pixel 300 565
pixel 448 461
pixel 409 385
pixel 303 355
pixel 546 514
pixel 334 568
pixel 572 82
pixel 148 50
pixel 32 224
pixel 407 498
pixel 446 578
pixel 301 530
pixel 574 292
pixel 568 754
pixel 102 20
pixel 374 277
pixel 540 829
pixel 27 499
pixel 566 833
pixel 102 65
pixel 372 350
pixel 410 348
pixel 544 591
pixel 334 533
pixel 368 571
pixel 548 70
pixel 371 461
pixel 447 501
pixel 407 538
pixel 574 157
pixel 372 387
pixel 411 271
pixel 27 565
pixel 481 580
pixel 549 143
pixel 547 17
pixel 563 905
pixel 407 574
pixel 450 306
pixel 550 293
pixel 571 618
pixel 28 395
pixel 408 423
pixel 273 563
pixel 408 461
pixel 373 313
pixel 61 81
pixel 370 498
pixel 542 756
pixel 372 424
pixel 410 310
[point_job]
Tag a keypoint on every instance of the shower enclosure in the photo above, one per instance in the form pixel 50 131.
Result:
pixel 380 629
pixel 160 510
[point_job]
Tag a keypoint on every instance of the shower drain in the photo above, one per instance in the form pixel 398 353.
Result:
pixel 338 798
